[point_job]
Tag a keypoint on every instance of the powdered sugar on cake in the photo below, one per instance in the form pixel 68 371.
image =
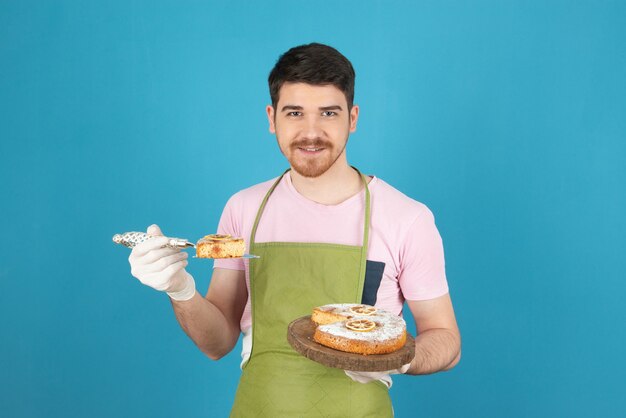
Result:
pixel 388 334
pixel 388 326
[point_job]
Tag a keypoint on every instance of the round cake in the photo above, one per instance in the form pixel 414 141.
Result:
pixel 220 246
pixel 358 328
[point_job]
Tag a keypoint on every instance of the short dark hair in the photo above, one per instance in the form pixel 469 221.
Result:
pixel 315 64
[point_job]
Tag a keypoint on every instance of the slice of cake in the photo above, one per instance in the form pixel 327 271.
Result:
pixel 220 246
pixel 358 328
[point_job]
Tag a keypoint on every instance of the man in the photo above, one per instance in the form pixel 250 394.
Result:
pixel 325 234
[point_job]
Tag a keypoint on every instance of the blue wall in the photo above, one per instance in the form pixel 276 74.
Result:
pixel 506 118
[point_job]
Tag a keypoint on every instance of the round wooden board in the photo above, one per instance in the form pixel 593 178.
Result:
pixel 300 336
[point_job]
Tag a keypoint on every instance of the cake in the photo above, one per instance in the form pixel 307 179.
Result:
pixel 220 246
pixel 358 328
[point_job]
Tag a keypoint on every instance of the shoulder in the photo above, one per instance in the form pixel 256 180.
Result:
pixel 241 208
pixel 396 205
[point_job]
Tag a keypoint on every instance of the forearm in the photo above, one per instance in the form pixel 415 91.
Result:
pixel 206 325
pixel 435 350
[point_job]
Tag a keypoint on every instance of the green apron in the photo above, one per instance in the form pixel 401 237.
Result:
pixel 287 282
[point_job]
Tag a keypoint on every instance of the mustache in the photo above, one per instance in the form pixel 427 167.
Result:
pixel 316 143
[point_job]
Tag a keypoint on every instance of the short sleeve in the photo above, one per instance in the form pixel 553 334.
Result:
pixel 422 270
pixel 231 224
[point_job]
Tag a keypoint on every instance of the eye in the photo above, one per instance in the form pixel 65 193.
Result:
pixel 294 113
pixel 329 113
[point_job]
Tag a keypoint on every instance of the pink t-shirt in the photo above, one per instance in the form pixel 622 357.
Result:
pixel 403 236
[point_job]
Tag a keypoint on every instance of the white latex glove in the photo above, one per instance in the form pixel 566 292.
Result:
pixel 366 377
pixel 160 268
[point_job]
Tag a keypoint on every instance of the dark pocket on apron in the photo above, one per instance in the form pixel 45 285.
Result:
pixel 373 275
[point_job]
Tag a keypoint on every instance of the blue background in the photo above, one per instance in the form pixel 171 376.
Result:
pixel 507 118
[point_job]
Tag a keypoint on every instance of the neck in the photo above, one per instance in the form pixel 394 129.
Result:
pixel 336 185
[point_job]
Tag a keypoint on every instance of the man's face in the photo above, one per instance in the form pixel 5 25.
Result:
pixel 312 125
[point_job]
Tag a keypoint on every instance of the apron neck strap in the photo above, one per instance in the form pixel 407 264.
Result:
pixel 366 223
pixel 366 226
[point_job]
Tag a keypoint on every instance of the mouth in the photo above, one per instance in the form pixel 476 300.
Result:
pixel 311 150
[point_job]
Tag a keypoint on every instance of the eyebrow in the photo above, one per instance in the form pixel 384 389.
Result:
pixel 323 108
pixel 334 107
pixel 290 107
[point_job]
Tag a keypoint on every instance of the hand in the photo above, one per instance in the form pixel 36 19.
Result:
pixel 161 268
pixel 366 377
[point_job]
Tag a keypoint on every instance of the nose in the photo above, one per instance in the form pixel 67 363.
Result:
pixel 312 128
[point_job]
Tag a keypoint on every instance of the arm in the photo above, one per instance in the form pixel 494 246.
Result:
pixel 212 322
pixel 438 344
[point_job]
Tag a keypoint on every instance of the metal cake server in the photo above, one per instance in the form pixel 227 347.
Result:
pixel 131 239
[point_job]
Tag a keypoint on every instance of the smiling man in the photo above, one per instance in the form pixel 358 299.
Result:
pixel 312 126
pixel 326 234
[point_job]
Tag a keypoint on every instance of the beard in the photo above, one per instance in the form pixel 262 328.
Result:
pixel 312 166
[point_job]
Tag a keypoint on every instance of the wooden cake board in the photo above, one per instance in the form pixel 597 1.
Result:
pixel 300 336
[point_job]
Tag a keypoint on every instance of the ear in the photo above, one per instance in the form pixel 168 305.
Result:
pixel 354 117
pixel 271 117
